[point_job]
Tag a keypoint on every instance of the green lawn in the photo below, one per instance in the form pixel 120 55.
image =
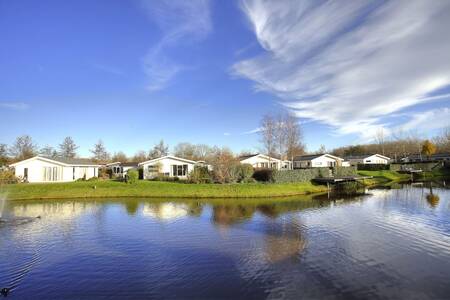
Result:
pixel 385 175
pixel 157 189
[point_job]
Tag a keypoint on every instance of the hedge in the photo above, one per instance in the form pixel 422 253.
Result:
pixel 374 167
pixel 305 175
pixel 300 175
pixel 344 171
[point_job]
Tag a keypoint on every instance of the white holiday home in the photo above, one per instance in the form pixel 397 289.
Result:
pixel 317 161
pixel 46 169
pixel 368 159
pixel 261 161
pixel 170 166
pixel 120 169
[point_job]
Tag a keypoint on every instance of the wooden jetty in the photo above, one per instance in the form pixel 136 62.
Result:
pixel 332 180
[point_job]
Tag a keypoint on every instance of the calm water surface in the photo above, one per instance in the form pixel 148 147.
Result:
pixel 389 244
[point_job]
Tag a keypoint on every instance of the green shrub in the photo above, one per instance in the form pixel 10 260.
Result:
pixel 8 176
pixel 245 172
pixel 93 179
pixel 165 178
pixel 299 175
pixel 344 171
pixel 248 180
pixel 132 176
pixel 200 175
pixel 264 175
pixel 323 172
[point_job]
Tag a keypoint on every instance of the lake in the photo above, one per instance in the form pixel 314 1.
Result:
pixel 390 243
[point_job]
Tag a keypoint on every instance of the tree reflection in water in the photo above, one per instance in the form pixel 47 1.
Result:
pixel 432 199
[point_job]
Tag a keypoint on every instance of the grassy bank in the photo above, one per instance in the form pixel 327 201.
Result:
pixel 104 189
pixel 384 176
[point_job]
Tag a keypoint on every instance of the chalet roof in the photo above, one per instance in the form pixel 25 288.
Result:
pixel 364 156
pixel 72 161
pixel 313 156
pixel 62 160
pixel 308 156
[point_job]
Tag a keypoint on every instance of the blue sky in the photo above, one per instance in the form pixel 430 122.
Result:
pixel 133 72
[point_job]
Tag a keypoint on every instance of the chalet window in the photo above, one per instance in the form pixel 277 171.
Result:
pixel 179 170
pixel 50 173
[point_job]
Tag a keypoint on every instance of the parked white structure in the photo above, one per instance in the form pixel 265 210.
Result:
pixel 45 169
pixel 120 169
pixel 317 161
pixel 171 166
pixel 263 161
pixel 368 159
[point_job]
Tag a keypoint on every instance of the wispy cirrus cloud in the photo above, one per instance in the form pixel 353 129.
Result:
pixel 349 64
pixel 181 22
pixel 14 105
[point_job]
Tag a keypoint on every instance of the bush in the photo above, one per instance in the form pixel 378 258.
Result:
pixel 264 175
pixel 165 178
pixel 132 176
pixel 8 176
pixel 245 172
pixel 300 175
pixel 93 179
pixel 104 173
pixel 248 180
pixel 200 175
pixel 344 171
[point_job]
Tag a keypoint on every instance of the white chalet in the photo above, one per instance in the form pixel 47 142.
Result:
pixel 368 159
pixel 55 169
pixel 317 161
pixel 170 166
pixel 263 161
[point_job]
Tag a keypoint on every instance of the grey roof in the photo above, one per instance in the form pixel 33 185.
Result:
pixel 72 161
pixel 308 157
pixel 362 156
pixel 247 156
pixel 129 164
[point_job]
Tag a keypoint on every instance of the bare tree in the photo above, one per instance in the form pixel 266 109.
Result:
pixel 48 151
pixel 268 135
pixel 185 150
pixel 99 152
pixel 293 137
pixel 23 148
pixel 68 148
pixel 379 137
pixel 3 154
pixel 159 150
pixel 120 157
pixel 140 156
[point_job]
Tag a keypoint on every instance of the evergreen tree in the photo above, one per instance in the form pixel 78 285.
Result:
pixel 99 152
pixel 68 148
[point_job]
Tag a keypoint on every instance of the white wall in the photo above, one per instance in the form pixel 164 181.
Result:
pixel 64 173
pixel 261 162
pixel 165 167
pixel 319 162
pixel 375 159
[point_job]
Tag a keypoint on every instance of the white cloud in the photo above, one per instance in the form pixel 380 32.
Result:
pixel 349 64
pixel 14 105
pixel 181 22
pixel 226 134
pixel 428 120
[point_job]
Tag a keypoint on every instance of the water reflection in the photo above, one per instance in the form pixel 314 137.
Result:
pixel 387 244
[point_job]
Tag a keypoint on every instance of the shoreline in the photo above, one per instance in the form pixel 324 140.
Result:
pixel 173 190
